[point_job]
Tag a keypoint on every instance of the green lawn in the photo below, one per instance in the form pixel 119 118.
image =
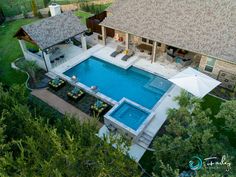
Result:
pixel 9 51
pixel 83 15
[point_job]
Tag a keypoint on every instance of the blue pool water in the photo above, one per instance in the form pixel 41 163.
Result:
pixel 134 84
pixel 129 115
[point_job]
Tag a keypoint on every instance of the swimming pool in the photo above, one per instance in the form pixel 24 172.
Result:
pixel 130 115
pixel 134 84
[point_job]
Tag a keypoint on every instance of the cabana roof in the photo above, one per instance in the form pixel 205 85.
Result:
pixel 51 31
pixel 207 27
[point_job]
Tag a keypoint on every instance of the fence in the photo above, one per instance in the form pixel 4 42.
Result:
pixel 93 24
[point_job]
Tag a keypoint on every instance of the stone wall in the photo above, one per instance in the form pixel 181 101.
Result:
pixel 219 65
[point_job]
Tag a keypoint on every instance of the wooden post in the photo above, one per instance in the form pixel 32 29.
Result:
pixel 104 35
pixel 126 41
pixel 154 52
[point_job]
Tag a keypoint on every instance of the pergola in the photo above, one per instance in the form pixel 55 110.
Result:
pixel 49 32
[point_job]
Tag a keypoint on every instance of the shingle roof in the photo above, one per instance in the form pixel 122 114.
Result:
pixel 53 30
pixel 203 26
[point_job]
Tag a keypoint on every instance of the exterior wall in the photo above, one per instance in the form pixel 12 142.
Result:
pixel 219 65
pixel 32 57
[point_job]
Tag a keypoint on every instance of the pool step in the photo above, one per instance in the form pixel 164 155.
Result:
pixel 145 140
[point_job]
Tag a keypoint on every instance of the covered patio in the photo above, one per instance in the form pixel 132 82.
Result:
pixel 52 41
pixel 155 52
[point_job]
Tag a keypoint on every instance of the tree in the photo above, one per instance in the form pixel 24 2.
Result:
pixel 31 67
pixel 189 132
pixel 34 8
pixel 30 146
pixel 45 3
pixel 227 113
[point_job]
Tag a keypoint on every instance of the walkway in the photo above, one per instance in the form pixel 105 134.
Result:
pixel 61 105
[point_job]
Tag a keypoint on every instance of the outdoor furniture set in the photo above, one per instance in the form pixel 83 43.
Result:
pixel 128 53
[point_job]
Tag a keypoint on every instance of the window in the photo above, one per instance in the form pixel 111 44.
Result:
pixel 150 42
pixel 210 64
pixel 144 39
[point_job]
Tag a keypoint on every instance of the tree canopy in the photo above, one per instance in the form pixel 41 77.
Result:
pixel 32 144
pixel 189 132
pixel 228 114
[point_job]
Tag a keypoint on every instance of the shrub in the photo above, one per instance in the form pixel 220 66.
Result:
pixel 40 14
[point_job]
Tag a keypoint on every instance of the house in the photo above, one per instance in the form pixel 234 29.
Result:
pixel 201 31
pixel 53 39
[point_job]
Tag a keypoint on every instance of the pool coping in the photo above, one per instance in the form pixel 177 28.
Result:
pixel 141 128
pixel 99 94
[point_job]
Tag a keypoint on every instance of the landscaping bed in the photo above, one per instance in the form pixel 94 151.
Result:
pixel 83 104
pixel 224 93
pixel 41 78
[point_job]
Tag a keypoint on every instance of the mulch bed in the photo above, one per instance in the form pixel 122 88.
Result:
pixel 223 93
pixel 83 104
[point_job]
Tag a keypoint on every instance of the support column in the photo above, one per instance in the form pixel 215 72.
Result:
pixel 47 61
pixel 23 47
pixel 154 52
pixel 104 35
pixel 83 42
pixel 163 48
pixel 126 41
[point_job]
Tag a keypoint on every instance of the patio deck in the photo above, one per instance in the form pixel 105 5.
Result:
pixel 69 51
pixel 61 105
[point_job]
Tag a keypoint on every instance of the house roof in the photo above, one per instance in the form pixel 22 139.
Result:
pixel 53 30
pixel 207 27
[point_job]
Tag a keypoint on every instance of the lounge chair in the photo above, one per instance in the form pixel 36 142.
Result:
pixel 98 107
pixel 56 83
pixel 129 54
pixel 75 94
pixel 119 50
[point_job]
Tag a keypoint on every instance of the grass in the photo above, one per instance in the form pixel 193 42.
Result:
pixel 213 103
pixel 83 15
pixel 9 51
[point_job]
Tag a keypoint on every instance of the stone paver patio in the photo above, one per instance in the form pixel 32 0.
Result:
pixel 61 105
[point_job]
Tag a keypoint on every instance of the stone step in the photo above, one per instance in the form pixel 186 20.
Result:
pixel 144 140
pixel 142 144
pixel 147 136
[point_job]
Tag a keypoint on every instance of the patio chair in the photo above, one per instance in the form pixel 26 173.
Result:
pixel 129 54
pixel 118 50
pixel 56 83
pixel 98 108
pixel 75 94
pixel 185 62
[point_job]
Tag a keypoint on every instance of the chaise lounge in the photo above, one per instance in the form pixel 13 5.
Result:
pixel 98 108
pixel 129 54
pixel 75 94
pixel 56 83
pixel 118 50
